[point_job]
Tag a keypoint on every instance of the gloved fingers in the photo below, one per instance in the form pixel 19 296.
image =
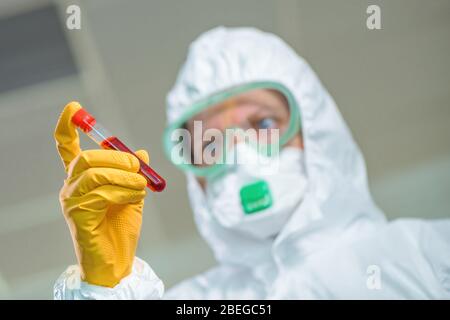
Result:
pixel 99 158
pixel 143 155
pixel 93 178
pixel 66 135
pixel 118 195
pixel 88 209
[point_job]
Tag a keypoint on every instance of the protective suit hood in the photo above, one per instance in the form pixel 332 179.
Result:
pixel 337 198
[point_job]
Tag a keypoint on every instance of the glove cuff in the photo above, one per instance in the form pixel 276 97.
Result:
pixel 141 284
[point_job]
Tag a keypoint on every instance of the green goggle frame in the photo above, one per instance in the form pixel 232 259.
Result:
pixel 217 98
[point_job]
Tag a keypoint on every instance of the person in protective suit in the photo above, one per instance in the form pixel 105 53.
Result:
pixel 298 224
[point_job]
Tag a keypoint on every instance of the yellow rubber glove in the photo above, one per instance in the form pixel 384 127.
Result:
pixel 102 200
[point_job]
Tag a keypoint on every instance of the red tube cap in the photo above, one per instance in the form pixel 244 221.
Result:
pixel 83 120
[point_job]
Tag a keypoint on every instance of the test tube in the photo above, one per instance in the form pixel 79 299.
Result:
pixel 88 124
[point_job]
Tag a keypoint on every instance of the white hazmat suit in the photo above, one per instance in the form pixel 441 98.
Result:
pixel 336 245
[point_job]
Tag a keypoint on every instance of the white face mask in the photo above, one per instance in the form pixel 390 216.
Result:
pixel 258 194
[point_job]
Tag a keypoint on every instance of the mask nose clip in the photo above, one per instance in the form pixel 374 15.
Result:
pixel 255 197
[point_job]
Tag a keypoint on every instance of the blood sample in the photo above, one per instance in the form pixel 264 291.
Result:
pixel 88 124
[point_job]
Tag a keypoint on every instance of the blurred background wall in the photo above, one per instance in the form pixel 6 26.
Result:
pixel 392 86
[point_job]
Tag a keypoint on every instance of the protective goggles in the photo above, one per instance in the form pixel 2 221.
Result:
pixel 262 114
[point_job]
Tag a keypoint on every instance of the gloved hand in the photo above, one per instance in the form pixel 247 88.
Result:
pixel 102 200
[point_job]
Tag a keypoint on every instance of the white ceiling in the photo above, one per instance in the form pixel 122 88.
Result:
pixel 12 7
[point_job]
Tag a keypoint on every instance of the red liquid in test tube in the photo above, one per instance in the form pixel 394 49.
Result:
pixel 88 124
